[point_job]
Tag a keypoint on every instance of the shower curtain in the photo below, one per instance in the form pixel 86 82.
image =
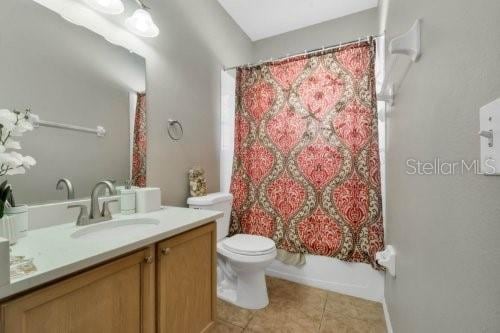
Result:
pixel 306 169
pixel 140 143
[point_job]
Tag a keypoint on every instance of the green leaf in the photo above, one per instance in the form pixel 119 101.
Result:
pixel 5 194
pixel 2 186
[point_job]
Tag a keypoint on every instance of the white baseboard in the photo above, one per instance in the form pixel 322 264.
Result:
pixel 354 279
pixel 351 290
pixel 387 317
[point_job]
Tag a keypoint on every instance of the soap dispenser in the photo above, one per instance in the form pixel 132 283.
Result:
pixel 127 199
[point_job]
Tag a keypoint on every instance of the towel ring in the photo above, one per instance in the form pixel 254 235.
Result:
pixel 175 131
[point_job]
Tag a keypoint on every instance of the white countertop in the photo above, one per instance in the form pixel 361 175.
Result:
pixel 56 254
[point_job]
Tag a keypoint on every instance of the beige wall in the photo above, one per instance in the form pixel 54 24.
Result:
pixel 183 78
pixel 446 229
pixel 331 32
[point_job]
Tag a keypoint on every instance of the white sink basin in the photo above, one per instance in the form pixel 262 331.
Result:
pixel 106 230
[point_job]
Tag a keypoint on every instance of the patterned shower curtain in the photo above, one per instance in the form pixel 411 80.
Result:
pixel 306 169
pixel 140 143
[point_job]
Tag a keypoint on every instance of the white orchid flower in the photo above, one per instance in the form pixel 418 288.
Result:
pixel 7 116
pixel 7 119
pixel 17 156
pixel 25 124
pixel 10 160
pixel 28 161
pixel 4 157
pixel 11 144
pixel 14 124
pixel 17 171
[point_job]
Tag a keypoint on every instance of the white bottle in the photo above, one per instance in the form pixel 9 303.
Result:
pixel 127 200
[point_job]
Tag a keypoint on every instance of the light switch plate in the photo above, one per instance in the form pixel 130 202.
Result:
pixel 489 123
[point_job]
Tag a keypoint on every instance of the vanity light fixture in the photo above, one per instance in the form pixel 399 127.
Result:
pixel 141 23
pixel 112 7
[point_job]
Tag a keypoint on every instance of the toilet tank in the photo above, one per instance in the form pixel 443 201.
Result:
pixel 216 201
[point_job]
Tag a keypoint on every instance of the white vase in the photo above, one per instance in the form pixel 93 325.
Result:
pixel 20 216
pixel 8 229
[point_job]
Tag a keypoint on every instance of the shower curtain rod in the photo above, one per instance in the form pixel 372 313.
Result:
pixel 306 52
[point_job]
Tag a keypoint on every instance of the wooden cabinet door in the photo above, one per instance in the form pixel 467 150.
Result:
pixel 186 281
pixel 118 297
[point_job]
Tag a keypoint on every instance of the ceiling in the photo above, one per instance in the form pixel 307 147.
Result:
pixel 265 18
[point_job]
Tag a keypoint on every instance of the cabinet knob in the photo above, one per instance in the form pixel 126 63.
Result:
pixel 165 251
pixel 148 259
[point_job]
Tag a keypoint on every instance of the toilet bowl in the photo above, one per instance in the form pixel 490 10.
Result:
pixel 241 259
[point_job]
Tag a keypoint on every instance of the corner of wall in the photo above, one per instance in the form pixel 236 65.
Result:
pixel 383 10
pixel 387 317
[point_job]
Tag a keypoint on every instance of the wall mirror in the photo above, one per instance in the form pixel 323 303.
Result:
pixel 69 75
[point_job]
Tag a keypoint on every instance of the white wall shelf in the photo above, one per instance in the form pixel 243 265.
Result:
pixel 407 45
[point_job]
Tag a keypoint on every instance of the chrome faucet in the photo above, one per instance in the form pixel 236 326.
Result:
pixel 65 182
pixel 96 215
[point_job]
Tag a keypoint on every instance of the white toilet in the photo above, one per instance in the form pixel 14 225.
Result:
pixel 241 259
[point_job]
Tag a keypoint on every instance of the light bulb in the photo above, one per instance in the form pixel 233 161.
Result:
pixel 142 24
pixel 112 7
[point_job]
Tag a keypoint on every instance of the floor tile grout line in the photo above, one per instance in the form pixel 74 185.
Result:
pixel 323 313
pixel 248 322
pixel 230 323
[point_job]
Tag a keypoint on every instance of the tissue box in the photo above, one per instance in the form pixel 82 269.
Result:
pixel 147 199
pixel 4 262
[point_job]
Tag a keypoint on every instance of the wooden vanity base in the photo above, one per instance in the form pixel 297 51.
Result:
pixel 168 287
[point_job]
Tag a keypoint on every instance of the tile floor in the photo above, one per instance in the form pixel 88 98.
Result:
pixel 298 308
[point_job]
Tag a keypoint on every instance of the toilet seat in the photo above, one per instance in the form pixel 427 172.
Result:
pixel 241 276
pixel 249 245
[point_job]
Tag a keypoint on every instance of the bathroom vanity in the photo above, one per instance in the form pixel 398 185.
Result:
pixel 153 272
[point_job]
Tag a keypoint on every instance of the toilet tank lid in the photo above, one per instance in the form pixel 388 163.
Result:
pixel 210 199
